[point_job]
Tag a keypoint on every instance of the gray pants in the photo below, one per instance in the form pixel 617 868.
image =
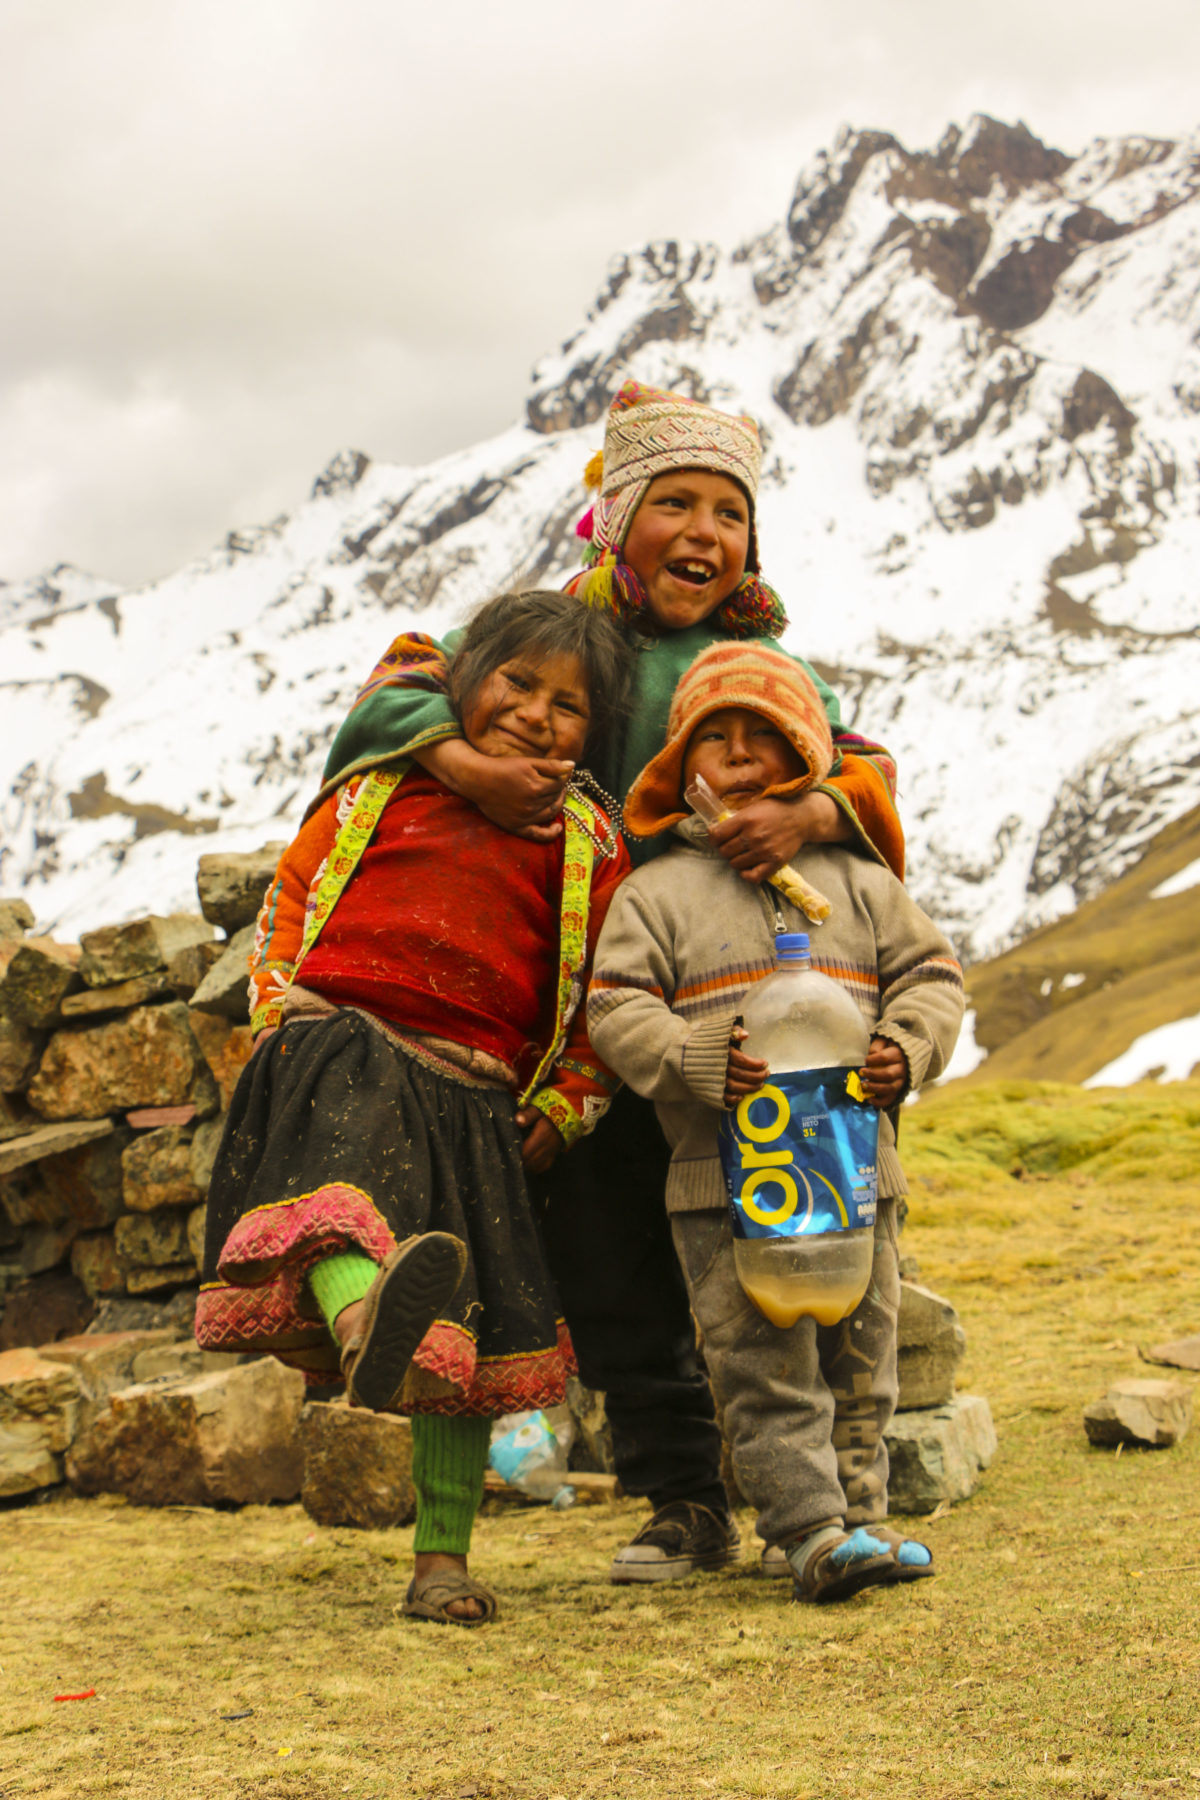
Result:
pixel 804 1410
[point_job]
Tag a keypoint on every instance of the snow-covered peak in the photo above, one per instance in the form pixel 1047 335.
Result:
pixel 977 369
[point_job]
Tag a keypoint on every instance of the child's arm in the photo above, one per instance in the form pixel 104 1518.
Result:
pixel 920 996
pixel 581 1086
pixel 280 928
pixel 402 710
pixel 630 1021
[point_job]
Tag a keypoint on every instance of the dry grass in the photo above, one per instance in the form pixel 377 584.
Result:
pixel 1139 964
pixel 1058 1653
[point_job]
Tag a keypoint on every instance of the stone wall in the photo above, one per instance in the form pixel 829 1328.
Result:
pixel 118 1056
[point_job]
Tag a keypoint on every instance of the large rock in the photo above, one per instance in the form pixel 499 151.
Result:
pixel 37 976
pixel 148 1057
pixel 20 1052
pixel 159 1278
pixel 44 1308
pixel 157 1170
pixel 181 1359
pixel 144 1240
pixel 357 1467
pixel 939 1454
pixel 44 1247
pixel 176 1314
pixel 226 1437
pixel 16 918
pixel 930 1346
pixel 1154 1414
pixel 39 1406
pixel 231 886
pixel 205 1145
pixel 1180 1353
pixel 96 1265
pixel 187 968
pixel 118 953
pixel 87 1182
pixel 226 988
pixel 26 1200
pixel 226 1046
pixel 103 1362
pixel 122 996
pixel 50 1140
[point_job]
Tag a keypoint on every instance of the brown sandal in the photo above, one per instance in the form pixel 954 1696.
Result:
pixel 413 1285
pixel 439 1589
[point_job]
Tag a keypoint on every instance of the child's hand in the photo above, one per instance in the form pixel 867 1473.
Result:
pixel 884 1075
pixel 759 838
pixel 542 1142
pixel 521 794
pixel 743 1074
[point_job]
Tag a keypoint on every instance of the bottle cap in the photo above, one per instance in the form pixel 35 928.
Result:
pixel 790 946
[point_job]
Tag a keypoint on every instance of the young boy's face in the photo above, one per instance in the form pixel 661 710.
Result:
pixel 740 754
pixel 688 542
pixel 532 705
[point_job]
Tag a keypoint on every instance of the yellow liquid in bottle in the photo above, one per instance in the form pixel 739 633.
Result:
pixel 782 1300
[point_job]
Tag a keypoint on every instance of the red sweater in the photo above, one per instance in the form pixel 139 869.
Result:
pixel 448 925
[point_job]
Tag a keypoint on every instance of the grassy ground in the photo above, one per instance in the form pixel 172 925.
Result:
pixel 1058 1652
pixel 1068 999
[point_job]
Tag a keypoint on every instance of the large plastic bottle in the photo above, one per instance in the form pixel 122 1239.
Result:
pixel 799 1155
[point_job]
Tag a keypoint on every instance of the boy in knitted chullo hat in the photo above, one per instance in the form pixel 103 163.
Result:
pixel 804 1408
pixel 672 553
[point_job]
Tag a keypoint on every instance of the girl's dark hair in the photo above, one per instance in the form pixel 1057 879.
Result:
pixel 555 624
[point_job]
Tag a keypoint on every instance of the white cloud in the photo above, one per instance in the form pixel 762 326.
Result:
pixel 242 234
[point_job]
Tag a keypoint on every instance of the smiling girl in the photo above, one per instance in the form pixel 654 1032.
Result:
pixel 672 555
pixel 416 983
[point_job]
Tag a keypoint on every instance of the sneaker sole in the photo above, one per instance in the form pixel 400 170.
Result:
pixel 626 1574
pixel 414 1292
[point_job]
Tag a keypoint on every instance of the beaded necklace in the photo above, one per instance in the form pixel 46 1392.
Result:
pixel 584 786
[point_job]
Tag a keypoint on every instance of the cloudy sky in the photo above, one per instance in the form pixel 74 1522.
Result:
pixel 240 234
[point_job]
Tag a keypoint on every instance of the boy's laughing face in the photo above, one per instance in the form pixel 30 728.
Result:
pixel 740 754
pixel 688 542
pixel 535 705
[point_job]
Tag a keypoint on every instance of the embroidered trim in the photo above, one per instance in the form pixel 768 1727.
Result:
pixel 579 853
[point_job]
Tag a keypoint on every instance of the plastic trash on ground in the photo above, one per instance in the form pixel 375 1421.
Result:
pixel 529 1451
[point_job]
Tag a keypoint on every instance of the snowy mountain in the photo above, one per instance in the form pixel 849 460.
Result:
pixel 978 373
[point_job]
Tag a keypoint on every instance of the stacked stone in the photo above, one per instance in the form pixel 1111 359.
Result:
pixel 118 1056
pixel 939 1441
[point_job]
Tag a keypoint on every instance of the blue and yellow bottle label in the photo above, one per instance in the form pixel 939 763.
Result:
pixel 799 1156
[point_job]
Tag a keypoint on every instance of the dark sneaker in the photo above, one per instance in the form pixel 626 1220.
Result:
pixel 676 1540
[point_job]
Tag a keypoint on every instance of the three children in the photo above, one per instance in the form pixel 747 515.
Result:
pixel 671 554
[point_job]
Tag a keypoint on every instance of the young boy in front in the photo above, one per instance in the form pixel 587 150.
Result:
pixel 805 1408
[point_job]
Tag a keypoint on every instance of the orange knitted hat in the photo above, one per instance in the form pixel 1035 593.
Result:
pixel 755 676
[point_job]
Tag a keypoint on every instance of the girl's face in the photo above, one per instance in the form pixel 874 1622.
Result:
pixel 740 754
pixel 532 705
pixel 688 542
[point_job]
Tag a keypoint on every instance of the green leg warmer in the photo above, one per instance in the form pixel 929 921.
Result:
pixel 339 1281
pixel 449 1458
